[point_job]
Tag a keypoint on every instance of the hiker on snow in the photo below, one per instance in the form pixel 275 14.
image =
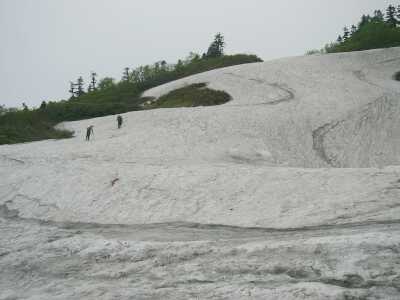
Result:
pixel 89 131
pixel 119 121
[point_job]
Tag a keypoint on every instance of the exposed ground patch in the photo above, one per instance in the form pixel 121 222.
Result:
pixel 190 96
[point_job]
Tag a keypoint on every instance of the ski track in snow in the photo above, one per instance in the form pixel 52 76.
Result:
pixel 290 95
pixel 289 191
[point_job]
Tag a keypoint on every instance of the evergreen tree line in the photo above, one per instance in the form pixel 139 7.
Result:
pixel 379 30
pixel 77 89
pixel 160 72
pixel 392 19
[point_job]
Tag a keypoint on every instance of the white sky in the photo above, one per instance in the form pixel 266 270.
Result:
pixel 47 43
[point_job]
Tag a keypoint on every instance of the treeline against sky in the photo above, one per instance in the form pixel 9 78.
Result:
pixel 379 30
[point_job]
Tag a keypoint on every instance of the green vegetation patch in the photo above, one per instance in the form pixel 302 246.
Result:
pixel 381 30
pixel 370 36
pixel 191 96
pixel 28 126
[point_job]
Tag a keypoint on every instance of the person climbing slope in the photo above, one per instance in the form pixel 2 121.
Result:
pixel 89 131
pixel 119 121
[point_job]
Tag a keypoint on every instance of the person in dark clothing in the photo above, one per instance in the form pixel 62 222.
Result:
pixel 119 121
pixel 89 131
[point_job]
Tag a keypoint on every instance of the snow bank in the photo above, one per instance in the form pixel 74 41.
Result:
pixel 272 157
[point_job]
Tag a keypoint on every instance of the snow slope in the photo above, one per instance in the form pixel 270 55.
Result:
pixel 250 162
pixel 308 148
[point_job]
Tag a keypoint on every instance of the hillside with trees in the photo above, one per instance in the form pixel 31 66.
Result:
pixel 108 96
pixel 381 30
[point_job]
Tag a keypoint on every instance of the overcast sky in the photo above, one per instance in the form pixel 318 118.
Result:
pixel 47 43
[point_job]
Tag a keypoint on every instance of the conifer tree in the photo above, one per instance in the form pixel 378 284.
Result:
pixel 339 39
pixel 72 89
pixel 391 16
pixel 125 75
pixel 79 87
pixel 43 105
pixel 398 13
pixel 353 29
pixel 346 33
pixel 365 19
pixel 92 85
pixel 378 16
pixel 216 49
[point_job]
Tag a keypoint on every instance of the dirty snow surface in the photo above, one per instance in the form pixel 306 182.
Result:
pixel 289 191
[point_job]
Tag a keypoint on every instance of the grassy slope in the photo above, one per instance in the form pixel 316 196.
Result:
pixel 26 126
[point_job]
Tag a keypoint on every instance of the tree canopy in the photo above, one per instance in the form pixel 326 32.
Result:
pixel 372 32
pixel 216 49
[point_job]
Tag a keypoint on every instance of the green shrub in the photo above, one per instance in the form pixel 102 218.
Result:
pixel 26 126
